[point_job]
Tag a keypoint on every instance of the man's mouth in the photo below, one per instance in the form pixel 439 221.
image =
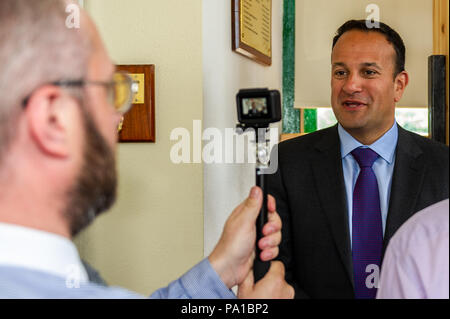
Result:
pixel 353 104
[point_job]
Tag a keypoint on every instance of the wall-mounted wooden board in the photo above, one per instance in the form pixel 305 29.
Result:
pixel 139 123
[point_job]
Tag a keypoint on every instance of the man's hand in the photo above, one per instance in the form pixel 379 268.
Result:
pixel 233 255
pixel 272 285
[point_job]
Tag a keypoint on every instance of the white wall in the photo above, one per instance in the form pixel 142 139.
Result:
pixel 224 73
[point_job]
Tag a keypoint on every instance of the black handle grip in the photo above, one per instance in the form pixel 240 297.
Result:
pixel 260 268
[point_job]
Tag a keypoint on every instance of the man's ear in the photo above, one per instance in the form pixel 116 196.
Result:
pixel 400 83
pixel 48 118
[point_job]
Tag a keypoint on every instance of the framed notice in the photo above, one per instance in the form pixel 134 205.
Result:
pixel 252 29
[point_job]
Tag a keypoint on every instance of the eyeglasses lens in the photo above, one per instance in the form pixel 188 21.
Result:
pixel 122 92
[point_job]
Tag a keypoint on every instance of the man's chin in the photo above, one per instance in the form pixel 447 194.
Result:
pixel 352 122
pixel 81 218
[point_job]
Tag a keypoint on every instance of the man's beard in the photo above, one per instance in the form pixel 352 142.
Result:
pixel 94 191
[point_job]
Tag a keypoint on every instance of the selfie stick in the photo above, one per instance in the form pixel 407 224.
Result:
pixel 260 123
pixel 260 268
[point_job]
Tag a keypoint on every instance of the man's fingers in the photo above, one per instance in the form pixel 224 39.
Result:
pixel 271 204
pixel 270 241
pixel 273 225
pixel 272 285
pixel 269 253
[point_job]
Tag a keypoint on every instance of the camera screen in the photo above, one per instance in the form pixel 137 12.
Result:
pixel 254 107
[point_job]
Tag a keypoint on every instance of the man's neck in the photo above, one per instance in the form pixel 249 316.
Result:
pixel 368 136
pixel 44 228
pixel 32 212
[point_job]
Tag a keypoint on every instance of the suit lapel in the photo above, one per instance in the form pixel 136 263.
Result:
pixel 406 183
pixel 329 178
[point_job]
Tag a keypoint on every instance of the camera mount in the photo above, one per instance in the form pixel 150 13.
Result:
pixel 257 108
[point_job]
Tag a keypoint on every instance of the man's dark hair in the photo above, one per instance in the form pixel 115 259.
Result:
pixel 390 34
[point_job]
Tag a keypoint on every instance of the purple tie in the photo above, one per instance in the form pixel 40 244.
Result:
pixel 367 232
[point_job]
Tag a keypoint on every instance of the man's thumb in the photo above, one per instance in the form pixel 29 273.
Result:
pixel 245 288
pixel 254 200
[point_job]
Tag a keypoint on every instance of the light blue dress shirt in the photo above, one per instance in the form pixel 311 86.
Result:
pixel 383 168
pixel 38 264
pixel 201 282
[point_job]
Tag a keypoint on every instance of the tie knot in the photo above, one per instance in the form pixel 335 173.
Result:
pixel 364 156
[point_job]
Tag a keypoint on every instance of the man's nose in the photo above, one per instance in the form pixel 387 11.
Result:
pixel 353 84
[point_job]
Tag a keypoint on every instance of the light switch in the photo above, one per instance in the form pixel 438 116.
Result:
pixel 139 97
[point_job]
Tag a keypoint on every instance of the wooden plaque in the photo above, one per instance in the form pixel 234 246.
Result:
pixel 252 29
pixel 139 122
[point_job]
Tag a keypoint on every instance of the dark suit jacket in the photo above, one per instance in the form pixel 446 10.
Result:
pixel 311 200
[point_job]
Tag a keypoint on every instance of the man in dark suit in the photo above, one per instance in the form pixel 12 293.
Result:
pixel 339 212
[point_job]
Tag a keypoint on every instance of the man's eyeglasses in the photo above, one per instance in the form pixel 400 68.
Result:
pixel 120 91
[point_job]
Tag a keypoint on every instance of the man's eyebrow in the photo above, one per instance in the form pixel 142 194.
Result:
pixel 336 64
pixel 371 64
pixel 365 64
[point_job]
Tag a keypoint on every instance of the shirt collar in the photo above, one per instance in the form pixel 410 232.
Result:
pixel 384 146
pixel 42 251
